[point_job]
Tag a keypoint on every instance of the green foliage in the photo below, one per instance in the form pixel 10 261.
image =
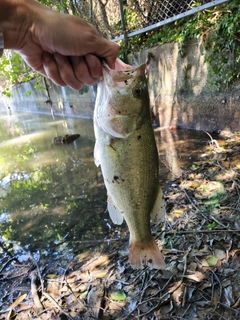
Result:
pixel 58 5
pixel 7 92
pixel 118 295
pixel 28 93
pixel 85 89
pixel 223 52
pixel 14 70
pixel 219 30
pixel 132 20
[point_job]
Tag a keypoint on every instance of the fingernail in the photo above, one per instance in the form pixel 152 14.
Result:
pixel 46 57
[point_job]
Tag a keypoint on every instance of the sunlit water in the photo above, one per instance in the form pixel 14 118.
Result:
pixel 53 197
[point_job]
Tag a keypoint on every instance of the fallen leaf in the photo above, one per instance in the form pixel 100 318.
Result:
pixel 102 260
pixel 94 300
pixel 83 295
pixel 211 225
pixel 177 294
pixel 228 296
pixel 17 302
pixel 194 167
pixel 51 276
pixel 164 310
pixel 23 307
pixel 236 304
pixel 114 307
pixel 219 254
pixel 13 305
pixel 196 276
pixel 99 273
pixel 210 262
pixel 118 295
pixel 202 252
pixel 178 212
pixel 205 285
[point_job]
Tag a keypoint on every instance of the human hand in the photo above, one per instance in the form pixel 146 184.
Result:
pixel 62 47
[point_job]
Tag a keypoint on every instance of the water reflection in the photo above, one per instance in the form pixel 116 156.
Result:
pixel 50 194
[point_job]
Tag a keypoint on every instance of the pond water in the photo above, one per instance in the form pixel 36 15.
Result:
pixel 52 198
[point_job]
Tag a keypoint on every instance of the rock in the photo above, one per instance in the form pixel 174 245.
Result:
pixel 67 139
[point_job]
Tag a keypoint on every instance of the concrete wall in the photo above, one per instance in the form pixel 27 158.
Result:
pixel 64 101
pixel 181 92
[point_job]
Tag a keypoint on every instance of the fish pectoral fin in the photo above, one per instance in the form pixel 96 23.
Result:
pixel 96 154
pixel 115 214
pixel 117 126
pixel 158 211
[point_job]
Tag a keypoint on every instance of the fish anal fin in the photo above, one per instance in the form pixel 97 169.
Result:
pixel 114 212
pixel 159 211
pixel 146 254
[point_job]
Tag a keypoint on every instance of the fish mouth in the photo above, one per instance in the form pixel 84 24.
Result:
pixel 123 73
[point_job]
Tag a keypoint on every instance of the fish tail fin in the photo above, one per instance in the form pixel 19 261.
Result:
pixel 146 254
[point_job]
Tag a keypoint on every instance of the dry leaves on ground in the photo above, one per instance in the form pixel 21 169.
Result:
pixel 201 244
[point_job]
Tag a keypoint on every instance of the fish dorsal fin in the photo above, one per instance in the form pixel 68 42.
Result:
pixel 115 214
pixel 159 211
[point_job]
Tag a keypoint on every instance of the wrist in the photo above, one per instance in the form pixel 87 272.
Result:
pixel 11 20
pixel 16 19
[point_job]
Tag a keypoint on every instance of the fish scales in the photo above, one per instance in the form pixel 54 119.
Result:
pixel 132 181
pixel 126 150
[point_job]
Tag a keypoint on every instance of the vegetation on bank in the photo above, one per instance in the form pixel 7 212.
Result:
pixel 219 31
pixel 218 28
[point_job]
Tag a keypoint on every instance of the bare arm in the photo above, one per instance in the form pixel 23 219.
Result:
pixel 60 46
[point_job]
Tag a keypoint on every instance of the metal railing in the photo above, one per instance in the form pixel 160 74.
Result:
pixel 121 19
pixel 154 14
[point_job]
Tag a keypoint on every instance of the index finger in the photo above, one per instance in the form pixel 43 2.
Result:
pixel 109 51
pixel 94 66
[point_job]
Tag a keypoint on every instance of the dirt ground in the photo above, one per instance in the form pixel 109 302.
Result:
pixel 200 240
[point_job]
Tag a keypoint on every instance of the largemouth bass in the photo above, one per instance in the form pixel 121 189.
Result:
pixel 126 150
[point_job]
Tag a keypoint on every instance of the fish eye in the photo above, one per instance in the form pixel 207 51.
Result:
pixel 138 91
